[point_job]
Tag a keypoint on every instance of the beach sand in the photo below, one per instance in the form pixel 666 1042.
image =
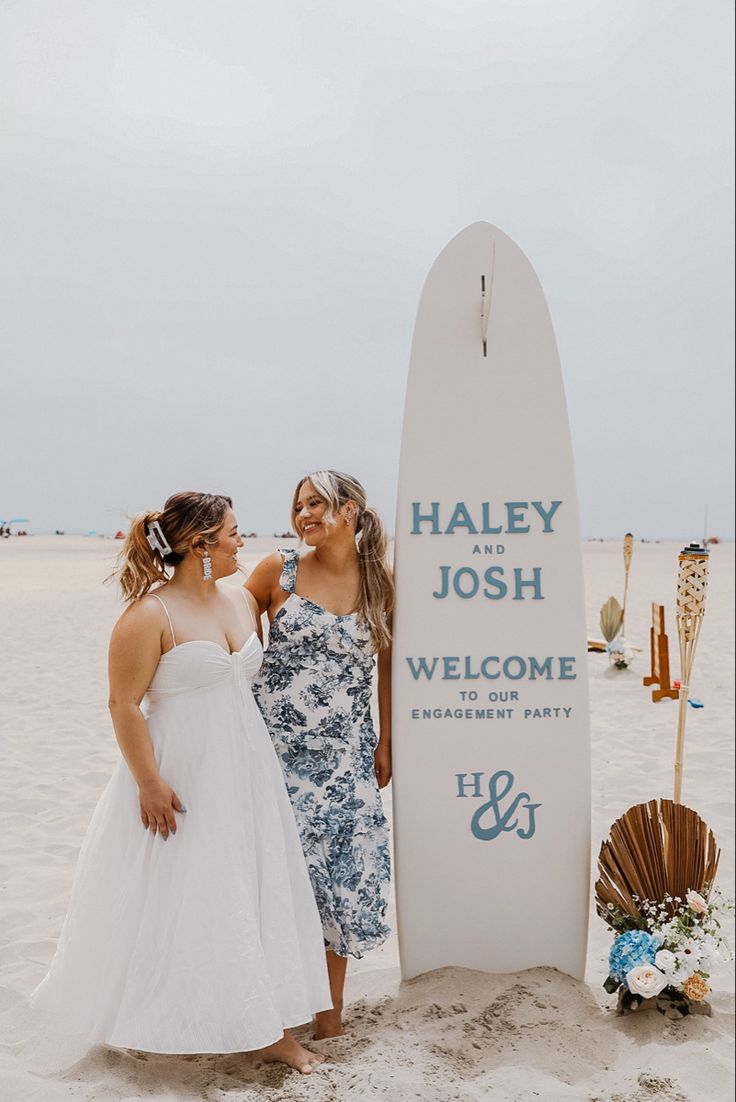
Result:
pixel 449 1035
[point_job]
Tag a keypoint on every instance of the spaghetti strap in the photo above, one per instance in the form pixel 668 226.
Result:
pixel 254 625
pixel 171 626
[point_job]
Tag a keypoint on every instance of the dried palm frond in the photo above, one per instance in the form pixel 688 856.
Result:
pixel 655 850
pixel 611 619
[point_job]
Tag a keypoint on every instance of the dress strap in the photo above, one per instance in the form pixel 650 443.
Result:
pixel 251 617
pixel 287 581
pixel 171 626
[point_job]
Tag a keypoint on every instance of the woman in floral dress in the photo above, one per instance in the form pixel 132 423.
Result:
pixel 329 610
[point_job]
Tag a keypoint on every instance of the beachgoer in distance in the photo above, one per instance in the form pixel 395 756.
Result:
pixel 191 928
pixel 329 610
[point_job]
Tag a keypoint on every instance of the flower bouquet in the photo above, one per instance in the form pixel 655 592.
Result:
pixel 618 653
pixel 667 952
pixel 655 891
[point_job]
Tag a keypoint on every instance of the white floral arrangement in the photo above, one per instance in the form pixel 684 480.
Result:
pixel 670 953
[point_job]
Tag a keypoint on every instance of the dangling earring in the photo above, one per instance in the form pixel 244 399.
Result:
pixel 207 566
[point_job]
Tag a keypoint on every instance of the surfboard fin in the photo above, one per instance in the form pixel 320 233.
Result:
pixel 486 296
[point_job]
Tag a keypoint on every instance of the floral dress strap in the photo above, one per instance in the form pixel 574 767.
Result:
pixel 287 581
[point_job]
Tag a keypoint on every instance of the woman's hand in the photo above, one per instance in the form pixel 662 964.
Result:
pixel 382 763
pixel 158 802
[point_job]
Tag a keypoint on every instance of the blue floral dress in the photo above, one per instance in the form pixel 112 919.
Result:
pixel 314 690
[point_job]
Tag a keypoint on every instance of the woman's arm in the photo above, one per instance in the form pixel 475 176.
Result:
pixel 264 579
pixel 382 756
pixel 135 650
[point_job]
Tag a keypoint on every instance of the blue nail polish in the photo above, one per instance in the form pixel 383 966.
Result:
pixel 183 808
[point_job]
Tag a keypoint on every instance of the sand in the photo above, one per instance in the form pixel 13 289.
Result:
pixel 452 1034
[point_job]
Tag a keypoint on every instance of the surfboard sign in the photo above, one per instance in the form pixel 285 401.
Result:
pixel 490 708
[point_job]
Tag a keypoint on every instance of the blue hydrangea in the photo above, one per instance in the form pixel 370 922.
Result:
pixel 629 950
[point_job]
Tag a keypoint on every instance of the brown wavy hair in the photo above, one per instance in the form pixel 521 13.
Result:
pixel 376 597
pixel 183 517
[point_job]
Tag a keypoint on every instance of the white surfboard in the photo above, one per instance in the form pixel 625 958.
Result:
pixel 490 713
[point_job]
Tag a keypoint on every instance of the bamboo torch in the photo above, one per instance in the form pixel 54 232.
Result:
pixel 628 552
pixel 692 582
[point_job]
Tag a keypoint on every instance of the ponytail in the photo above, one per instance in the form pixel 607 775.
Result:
pixel 376 582
pixel 142 567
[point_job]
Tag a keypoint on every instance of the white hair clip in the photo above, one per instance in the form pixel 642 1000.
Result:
pixel 156 538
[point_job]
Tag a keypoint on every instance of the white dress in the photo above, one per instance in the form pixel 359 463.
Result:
pixel 209 941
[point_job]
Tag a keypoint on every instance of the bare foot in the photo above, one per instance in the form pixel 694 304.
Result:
pixel 328 1023
pixel 289 1051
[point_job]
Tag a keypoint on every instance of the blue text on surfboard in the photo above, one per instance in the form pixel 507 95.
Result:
pixel 500 817
pixel 466 582
pixel 461 518
pixel 491 667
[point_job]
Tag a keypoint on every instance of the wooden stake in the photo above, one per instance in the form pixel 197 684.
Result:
pixel 660 658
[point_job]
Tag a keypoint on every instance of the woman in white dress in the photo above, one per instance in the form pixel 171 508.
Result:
pixel 192 925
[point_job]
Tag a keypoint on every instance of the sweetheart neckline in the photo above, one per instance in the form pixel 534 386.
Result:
pixel 212 643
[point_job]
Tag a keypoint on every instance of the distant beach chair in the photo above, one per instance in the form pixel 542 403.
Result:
pixel 659 648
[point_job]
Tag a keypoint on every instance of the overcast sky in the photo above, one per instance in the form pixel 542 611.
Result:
pixel 218 216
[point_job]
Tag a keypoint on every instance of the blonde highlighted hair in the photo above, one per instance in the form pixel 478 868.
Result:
pixel 376 597
pixel 183 517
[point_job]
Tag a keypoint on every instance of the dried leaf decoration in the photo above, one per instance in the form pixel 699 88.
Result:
pixel 611 619
pixel 654 850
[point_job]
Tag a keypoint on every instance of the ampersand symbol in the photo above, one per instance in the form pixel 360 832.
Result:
pixel 499 786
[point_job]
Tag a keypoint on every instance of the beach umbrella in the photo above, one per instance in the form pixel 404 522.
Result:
pixel 692 583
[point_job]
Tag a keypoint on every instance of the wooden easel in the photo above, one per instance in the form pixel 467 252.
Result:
pixel 659 648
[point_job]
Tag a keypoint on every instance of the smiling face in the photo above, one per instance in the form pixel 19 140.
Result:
pixel 312 518
pixel 224 551
pixel 309 515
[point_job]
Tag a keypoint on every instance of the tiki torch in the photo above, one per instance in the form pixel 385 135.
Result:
pixel 628 552
pixel 692 582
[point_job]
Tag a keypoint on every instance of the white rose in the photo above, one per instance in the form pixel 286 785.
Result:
pixel 646 980
pixel 697 903
pixel 666 962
